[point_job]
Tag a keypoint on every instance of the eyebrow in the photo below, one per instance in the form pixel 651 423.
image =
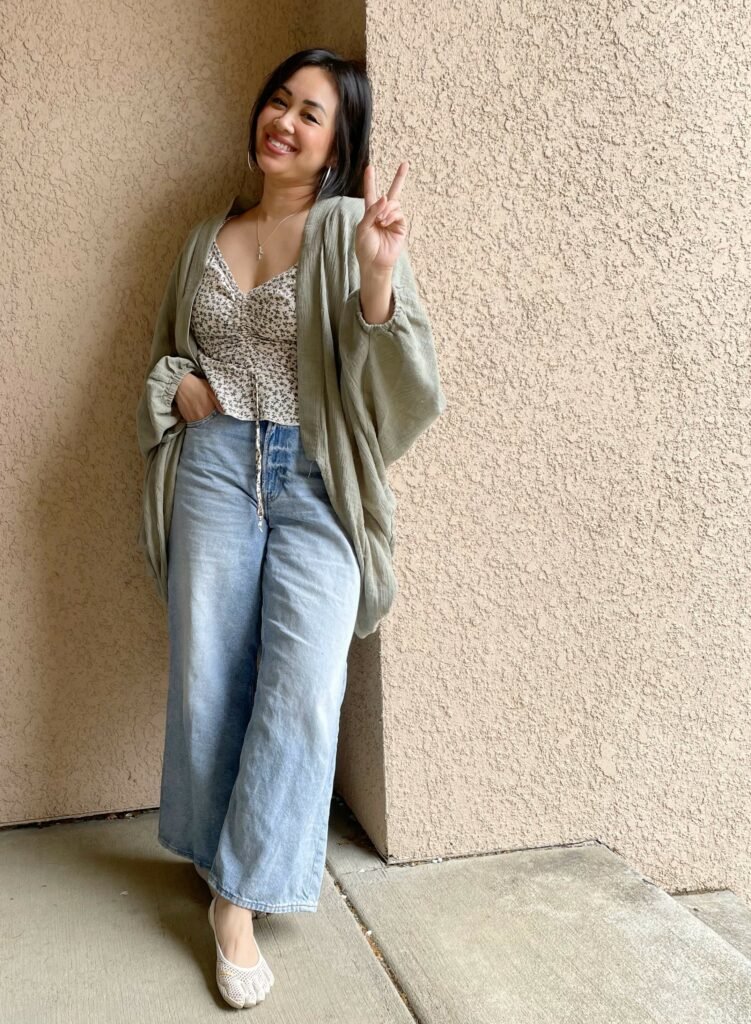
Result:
pixel 311 103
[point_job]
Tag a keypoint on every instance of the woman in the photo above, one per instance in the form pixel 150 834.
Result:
pixel 292 362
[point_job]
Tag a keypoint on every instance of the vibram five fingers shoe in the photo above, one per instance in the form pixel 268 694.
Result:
pixel 240 986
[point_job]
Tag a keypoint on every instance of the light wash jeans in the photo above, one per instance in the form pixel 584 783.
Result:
pixel 260 623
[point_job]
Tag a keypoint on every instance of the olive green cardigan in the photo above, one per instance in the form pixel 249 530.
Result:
pixel 365 391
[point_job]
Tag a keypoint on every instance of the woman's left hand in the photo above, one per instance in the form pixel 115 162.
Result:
pixel 382 232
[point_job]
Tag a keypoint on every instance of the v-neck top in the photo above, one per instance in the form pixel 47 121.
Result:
pixel 247 347
pixel 247 342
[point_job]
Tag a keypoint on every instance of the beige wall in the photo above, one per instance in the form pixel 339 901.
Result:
pixel 568 656
pixel 122 127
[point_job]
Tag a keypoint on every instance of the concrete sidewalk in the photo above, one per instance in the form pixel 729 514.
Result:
pixel 102 924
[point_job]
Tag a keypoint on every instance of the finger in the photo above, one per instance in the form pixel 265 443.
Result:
pixel 374 211
pixel 395 220
pixel 396 184
pixel 389 209
pixel 368 186
pixel 387 206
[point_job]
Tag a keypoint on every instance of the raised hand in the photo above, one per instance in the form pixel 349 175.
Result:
pixel 382 232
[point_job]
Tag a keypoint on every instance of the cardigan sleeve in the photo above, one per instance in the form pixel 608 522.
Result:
pixel 389 372
pixel 155 415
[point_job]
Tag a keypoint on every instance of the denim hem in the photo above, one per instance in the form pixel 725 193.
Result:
pixel 181 853
pixel 272 908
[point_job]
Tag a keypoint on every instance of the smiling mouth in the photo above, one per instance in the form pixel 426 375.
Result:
pixel 277 146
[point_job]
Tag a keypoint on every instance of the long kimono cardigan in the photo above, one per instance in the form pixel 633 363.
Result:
pixel 365 391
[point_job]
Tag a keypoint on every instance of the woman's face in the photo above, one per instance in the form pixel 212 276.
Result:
pixel 302 113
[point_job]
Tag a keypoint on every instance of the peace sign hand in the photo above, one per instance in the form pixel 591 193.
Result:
pixel 382 231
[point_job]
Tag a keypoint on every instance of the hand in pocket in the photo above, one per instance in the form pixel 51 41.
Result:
pixel 195 398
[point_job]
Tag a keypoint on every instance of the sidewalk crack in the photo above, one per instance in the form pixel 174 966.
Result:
pixel 377 951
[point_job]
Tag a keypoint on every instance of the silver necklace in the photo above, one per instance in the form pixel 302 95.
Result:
pixel 258 240
pixel 260 247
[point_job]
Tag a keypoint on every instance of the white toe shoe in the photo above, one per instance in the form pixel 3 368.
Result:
pixel 240 986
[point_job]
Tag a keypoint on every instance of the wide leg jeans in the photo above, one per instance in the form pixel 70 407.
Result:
pixel 260 623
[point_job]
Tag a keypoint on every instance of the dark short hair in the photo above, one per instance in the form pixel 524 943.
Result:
pixel 353 116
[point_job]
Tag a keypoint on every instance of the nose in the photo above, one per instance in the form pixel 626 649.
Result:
pixel 283 122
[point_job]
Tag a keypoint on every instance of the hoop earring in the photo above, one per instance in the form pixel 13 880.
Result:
pixel 325 179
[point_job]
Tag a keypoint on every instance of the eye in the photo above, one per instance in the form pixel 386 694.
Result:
pixel 278 99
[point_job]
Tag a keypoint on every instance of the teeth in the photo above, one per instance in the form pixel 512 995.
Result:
pixel 280 146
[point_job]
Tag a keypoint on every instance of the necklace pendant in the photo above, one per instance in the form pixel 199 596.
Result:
pixel 260 252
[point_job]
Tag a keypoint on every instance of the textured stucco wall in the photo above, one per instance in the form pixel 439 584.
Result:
pixel 570 655
pixel 569 652
pixel 122 126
